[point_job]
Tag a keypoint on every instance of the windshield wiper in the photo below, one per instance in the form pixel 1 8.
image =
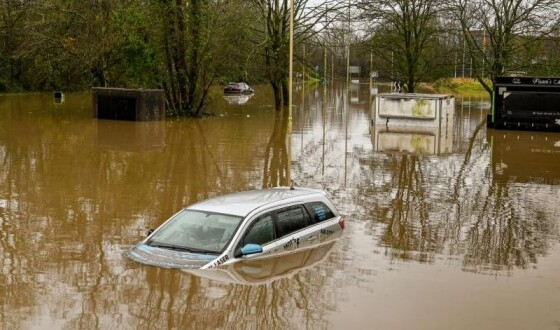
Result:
pixel 200 251
pixel 166 246
pixel 178 247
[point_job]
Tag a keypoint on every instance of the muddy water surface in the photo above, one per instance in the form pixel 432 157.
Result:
pixel 452 230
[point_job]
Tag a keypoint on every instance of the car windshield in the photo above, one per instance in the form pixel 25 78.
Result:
pixel 196 231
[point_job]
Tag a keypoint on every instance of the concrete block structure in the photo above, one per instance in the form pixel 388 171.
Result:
pixel 413 123
pixel 128 104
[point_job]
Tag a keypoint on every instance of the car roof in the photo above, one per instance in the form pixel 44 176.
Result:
pixel 242 203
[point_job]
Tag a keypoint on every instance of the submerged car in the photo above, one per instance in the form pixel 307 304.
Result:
pixel 241 226
pixel 238 88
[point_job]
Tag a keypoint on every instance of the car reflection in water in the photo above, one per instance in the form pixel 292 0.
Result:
pixel 266 270
pixel 237 99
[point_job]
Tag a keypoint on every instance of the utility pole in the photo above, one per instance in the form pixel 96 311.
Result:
pixel 332 66
pixel 370 70
pixel 291 69
pixel 303 65
pixel 325 64
pixel 392 66
pixel 455 64
pixel 464 41
pixel 348 49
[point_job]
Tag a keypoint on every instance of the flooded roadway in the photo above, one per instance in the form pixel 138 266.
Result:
pixel 444 232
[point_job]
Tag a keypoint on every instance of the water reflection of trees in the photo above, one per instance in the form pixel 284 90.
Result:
pixel 177 300
pixel 276 157
pixel 69 206
pixel 451 205
pixel 408 207
pixel 425 207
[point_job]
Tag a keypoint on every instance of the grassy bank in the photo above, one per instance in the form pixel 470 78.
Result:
pixel 458 87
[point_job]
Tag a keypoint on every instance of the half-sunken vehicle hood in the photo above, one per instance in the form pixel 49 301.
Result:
pixel 162 257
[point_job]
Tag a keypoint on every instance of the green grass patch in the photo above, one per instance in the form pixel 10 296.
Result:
pixel 459 87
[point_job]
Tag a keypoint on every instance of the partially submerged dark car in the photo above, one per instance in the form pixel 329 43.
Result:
pixel 238 88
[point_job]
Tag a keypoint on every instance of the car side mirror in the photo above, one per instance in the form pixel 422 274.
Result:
pixel 251 249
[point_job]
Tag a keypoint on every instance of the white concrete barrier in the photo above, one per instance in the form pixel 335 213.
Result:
pixel 413 110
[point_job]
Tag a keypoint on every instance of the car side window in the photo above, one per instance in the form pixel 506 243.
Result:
pixel 261 232
pixel 319 211
pixel 291 219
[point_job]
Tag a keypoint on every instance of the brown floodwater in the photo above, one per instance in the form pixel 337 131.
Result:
pixel 452 230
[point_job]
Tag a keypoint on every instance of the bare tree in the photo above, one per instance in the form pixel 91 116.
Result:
pixel 274 36
pixel 404 33
pixel 498 32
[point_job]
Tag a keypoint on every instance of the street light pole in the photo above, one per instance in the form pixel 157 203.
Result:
pixel 290 82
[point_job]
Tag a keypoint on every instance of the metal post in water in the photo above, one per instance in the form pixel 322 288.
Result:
pixel 290 80
pixel 347 64
pixel 325 64
pixel 303 65
pixel 370 71
pixel 348 50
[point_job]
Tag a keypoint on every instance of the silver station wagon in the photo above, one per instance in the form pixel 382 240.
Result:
pixel 241 226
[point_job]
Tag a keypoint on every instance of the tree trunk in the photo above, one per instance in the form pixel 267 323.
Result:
pixel 277 88
pixel 285 92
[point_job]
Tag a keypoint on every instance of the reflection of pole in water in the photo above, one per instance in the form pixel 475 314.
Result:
pixel 480 108
pixel 302 131
pixel 462 118
pixel 289 153
pixel 332 67
pixel 470 102
pixel 324 114
pixel 347 110
pixel 302 110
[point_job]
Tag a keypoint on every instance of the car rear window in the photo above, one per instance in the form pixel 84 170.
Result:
pixel 319 211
